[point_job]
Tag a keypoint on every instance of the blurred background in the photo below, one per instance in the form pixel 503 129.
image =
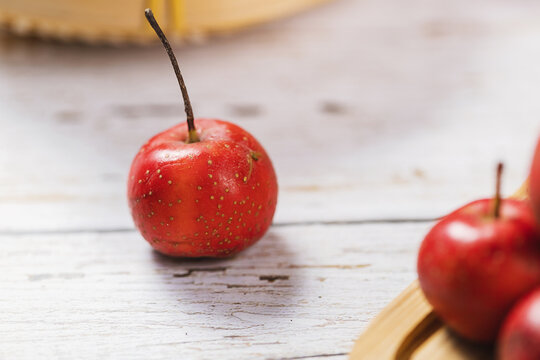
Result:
pixel 369 109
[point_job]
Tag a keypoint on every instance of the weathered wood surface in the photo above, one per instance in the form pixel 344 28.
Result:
pixel 373 111
pixel 301 291
pixel 364 106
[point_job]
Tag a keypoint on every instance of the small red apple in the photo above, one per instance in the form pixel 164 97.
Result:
pixel 204 191
pixel 476 262
pixel 534 182
pixel 519 338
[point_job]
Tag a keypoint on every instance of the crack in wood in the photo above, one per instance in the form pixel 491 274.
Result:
pixel 190 272
pixel 343 267
pixel 312 356
pixel 18 232
pixel 245 110
pixel 234 286
pixel 356 222
pixel 272 278
pixel 143 111
pixel 333 107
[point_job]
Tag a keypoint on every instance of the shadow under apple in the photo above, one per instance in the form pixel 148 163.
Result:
pixel 256 288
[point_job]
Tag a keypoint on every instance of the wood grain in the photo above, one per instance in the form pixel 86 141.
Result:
pixel 378 115
pixel 302 290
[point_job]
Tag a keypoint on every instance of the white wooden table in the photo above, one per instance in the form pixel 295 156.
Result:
pixel 380 115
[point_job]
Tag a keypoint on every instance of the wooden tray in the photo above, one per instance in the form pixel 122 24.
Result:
pixel 409 329
pixel 123 20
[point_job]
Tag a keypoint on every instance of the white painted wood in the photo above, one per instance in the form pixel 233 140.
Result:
pixel 370 109
pixel 301 291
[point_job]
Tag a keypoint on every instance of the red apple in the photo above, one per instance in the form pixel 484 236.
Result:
pixel 534 182
pixel 476 262
pixel 202 189
pixel 520 334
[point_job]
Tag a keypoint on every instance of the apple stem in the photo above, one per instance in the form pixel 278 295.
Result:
pixel 497 200
pixel 192 133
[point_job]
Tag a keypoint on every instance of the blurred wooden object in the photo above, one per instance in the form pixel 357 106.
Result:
pixel 123 20
pixel 409 329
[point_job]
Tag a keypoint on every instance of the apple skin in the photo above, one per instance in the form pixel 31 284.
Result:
pixel 534 182
pixel 211 198
pixel 519 338
pixel 472 266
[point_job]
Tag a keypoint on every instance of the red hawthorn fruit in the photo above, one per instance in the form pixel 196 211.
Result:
pixel 534 182
pixel 202 189
pixel 476 262
pixel 519 338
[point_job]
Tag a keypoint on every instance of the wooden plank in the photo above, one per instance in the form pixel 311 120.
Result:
pixel 302 291
pixel 369 109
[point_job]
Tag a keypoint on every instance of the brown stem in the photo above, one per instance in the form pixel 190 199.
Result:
pixel 497 199
pixel 192 133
